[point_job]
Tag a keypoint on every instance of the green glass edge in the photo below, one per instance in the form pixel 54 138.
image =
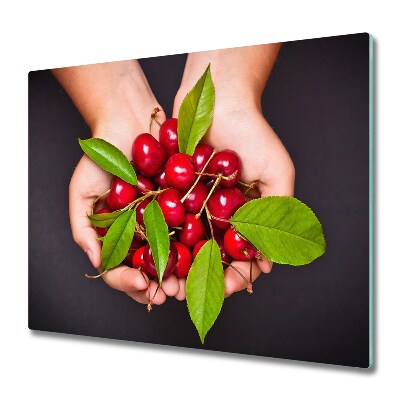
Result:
pixel 371 200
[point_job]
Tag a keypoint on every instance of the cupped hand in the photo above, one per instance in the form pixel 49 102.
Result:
pixel 243 128
pixel 116 101
pixel 90 181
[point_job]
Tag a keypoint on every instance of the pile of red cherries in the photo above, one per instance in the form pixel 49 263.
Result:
pixel 193 212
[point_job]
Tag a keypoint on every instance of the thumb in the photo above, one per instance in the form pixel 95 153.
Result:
pixel 281 184
pixel 82 231
pixel 177 103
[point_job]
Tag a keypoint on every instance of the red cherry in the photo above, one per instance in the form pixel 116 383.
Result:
pixel 192 231
pixel 196 198
pixel 184 260
pixel 103 231
pixel 140 210
pixel 169 136
pixel 226 162
pixel 144 184
pixel 209 182
pixel 237 247
pixel 149 265
pixel 218 232
pixel 180 171
pixel 132 248
pixel 197 247
pixel 171 207
pixel 200 156
pixel 121 194
pixel 138 237
pixel 223 203
pixel 148 155
pixel 137 258
pixel 224 254
pixel 161 180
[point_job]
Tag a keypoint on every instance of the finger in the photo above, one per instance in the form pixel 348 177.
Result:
pixel 80 205
pixel 264 264
pixel 160 117
pixel 126 279
pixel 82 232
pixel 181 295
pixel 238 277
pixel 170 286
pixel 156 293
pixel 281 182
pixel 176 106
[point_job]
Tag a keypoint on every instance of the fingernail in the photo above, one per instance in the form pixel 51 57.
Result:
pixel 90 255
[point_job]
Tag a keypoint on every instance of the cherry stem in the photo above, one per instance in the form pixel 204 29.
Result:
pixel 134 202
pixel 250 284
pixel 226 178
pixel 154 295
pixel 95 276
pixel 220 219
pixel 251 186
pixel 139 199
pixel 144 277
pixel 244 251
pixel 140 230
pixel 216 183
pixel 153 117
pixel 149 305
pixel 235 269
pixel 199 177
pixel 209 221
pixel 98 198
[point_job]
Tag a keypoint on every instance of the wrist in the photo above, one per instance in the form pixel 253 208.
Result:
pixel 239 74
pixel 235 86
pixel 126 112
pixel 127 105
pixel 228 98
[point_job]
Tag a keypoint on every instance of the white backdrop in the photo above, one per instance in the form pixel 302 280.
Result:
pixel 37 36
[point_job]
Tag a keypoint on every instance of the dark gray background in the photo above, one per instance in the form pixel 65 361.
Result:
pixel 317 101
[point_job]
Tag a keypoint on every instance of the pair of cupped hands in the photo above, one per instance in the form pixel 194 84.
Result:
pixel 238 124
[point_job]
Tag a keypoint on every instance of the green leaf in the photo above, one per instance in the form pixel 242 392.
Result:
pixel 196 113
pixel 157 235
pixel 205 288
pixel 108 157
pixel 283 228
pixel 117 240
pixel 104 220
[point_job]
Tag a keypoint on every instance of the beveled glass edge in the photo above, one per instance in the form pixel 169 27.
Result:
pixel 371 201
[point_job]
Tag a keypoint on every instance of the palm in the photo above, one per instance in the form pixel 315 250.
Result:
pixel 264 158
pixel 88 182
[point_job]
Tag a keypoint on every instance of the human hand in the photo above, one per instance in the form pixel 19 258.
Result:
pixel 123 117
pixel 239 125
